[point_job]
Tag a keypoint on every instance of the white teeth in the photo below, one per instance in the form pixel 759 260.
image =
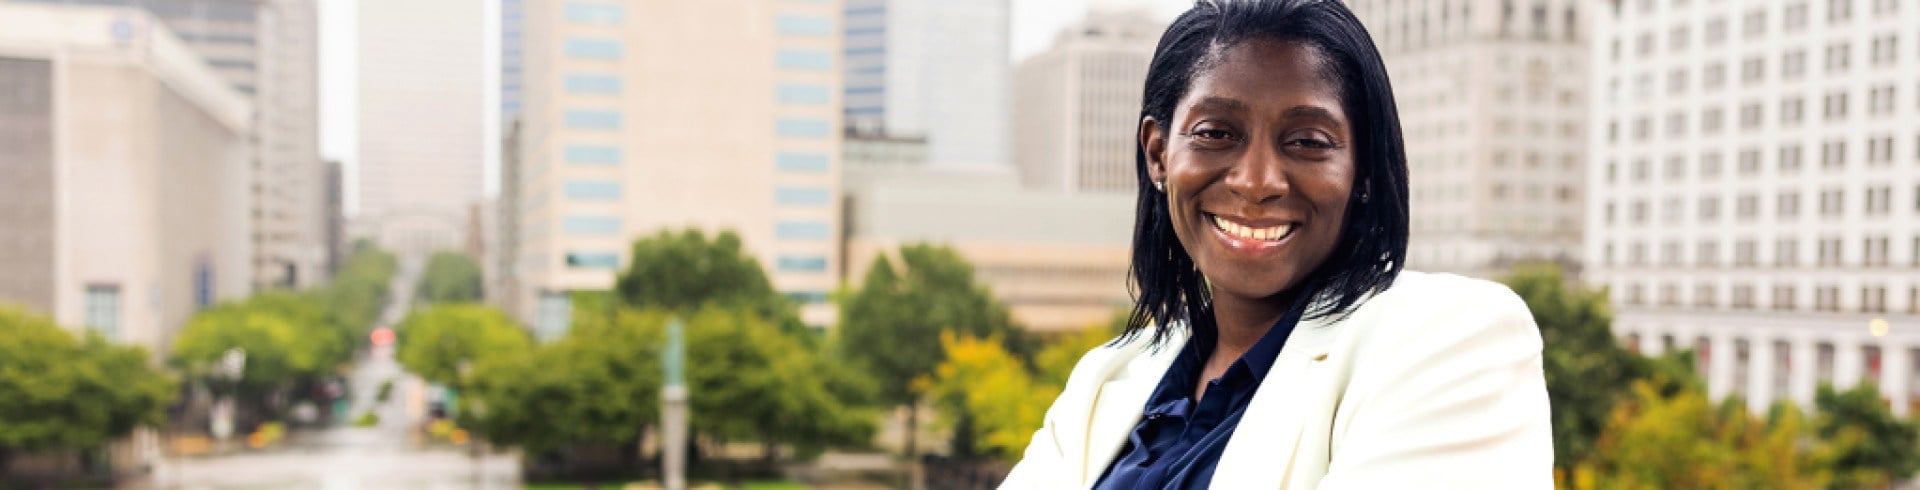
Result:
pixel 1242 231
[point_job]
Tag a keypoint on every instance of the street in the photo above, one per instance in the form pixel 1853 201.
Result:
pixel 389 455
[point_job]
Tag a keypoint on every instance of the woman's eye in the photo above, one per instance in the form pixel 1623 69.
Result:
pixel 1213 134
pixel 1312 144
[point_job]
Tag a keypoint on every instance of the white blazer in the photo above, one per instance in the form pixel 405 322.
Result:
pixel 1433 383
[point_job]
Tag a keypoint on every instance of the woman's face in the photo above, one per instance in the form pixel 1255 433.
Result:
pixel 1258 166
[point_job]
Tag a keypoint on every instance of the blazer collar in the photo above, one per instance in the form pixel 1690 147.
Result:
pixel 1118 403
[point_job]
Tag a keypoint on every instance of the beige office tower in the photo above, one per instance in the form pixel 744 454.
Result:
pixel 1077 104
pixel 1756 190
pixel 422 85
pixel 268 51
pixel 640 117
pixel 1492 100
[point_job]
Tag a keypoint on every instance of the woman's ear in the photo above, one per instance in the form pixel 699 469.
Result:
pixel 1153 144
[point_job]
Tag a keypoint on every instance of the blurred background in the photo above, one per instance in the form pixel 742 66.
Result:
pixel 860 243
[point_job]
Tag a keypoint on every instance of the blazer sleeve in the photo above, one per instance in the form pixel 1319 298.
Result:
pixel 1450 394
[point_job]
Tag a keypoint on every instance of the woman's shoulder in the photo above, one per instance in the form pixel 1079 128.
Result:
pixel 1446 307
pixel 1414 291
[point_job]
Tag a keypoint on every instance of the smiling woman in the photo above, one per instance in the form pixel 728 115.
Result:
pixel 1275 341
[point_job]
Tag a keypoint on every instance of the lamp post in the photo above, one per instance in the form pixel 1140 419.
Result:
pixel 673 409
pixel 232 365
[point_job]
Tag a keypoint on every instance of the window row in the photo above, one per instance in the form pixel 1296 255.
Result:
pixel 1874 251
pixel 1872 298
pixel 1787 159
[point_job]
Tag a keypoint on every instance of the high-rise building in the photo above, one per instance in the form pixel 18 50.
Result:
pixel 422 95
pixel 1077 114
pixel 1756 190
pixel 511 13
pixel 1492 106
pixel 268 51
pixel 123 186
pixel 930 68
pixel 623 138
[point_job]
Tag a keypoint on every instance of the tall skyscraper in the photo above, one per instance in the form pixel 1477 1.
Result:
pixel 422 95
pixel 268 51
pixel 511 14
pixel 1078 104
pixel 632 127
pixel 931 68
pixel 1756 190
pixel 1492 100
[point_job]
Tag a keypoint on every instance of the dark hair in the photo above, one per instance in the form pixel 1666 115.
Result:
pixel 1373 242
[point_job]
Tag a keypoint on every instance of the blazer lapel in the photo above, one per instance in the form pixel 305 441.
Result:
pixel 1261 451
pixel 1117 407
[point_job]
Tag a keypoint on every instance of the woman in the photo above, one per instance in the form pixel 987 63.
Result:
pixel 1271 232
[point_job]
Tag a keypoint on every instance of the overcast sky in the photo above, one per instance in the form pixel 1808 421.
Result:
pixel 1033 25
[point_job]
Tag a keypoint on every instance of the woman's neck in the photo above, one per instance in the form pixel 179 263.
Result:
pixel 1239 323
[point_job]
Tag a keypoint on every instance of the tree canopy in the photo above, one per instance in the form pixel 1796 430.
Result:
pixel 435 341
pixel 684 271
pixel 450 277
pixel 905 309
pixel 62 392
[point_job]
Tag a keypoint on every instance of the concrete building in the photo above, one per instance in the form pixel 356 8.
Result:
pixel 621 140
pixel 1078 104
pixel 1057 260
pixel 123 186
pixel 930 68
pixel 422 96
pixel 1492 100
pixel 268 51
pixel 1756 190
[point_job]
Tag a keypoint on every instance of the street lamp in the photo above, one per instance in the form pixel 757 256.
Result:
pixel 232 365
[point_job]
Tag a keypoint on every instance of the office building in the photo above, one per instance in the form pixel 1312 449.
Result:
pixel 931 68
pixel 623 139
pixel 1492 106
pixel 1756 190
pixel 1077 118
pixel 422 91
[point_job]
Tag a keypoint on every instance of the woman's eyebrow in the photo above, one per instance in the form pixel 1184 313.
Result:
pixel 1311 112
pixel 1220 103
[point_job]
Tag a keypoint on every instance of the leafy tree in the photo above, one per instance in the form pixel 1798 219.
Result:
pixel 1878 448
pixel 598 386
pixel 1680 440
pixel 748 380
pixel 58 392
pixel 435 341
pixel 684 271
pixel 988 395
pixel 360 288
pixel 450 277
pixel 1586 368
pixel 891 324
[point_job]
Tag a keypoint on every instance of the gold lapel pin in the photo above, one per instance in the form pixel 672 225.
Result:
pixel 1321 357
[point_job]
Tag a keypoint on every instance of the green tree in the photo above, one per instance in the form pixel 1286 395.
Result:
pixel 891 324
pixel 360 288
pixel 988 395
pixel 1586 368
pixel 748 380
pixel 1877 448
pixel 436 341
pixel 1656 440
pixel 58 392
pixel 684 271
pixel 450 277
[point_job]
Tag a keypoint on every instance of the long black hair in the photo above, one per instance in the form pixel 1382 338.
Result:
pixel 1166 285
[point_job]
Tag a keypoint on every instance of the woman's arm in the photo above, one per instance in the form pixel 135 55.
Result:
pixel 1448 395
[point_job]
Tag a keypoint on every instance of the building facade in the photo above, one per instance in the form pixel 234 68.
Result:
pixel 621 141
pixel 1493 106
pixel 1077 115
pixel 422 86
pixel 268 51
pixel 935 69
pixel 1756 190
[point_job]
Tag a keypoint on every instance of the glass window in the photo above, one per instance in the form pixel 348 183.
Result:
pixel 801 93
pixel 801 230
pixel 593 48
pixel 803 263
pixel 103 310
pixel 804 25
pixel 593 260
pixel 593 84
pixel 599 190
pixel 592 119
pixel 592 225
pixel 592 154
pixel 802 196
pixel 801 162
pixel 802 128
pixel 804 59
pixel 594 13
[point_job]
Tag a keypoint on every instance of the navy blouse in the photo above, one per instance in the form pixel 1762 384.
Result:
pixel 1178 442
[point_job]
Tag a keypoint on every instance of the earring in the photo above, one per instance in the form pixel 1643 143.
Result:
pixel 1160 185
